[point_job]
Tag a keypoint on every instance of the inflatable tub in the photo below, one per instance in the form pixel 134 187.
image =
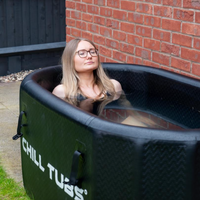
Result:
pixel 69 153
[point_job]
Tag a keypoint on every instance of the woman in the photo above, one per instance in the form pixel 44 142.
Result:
pixel 83 75
pixel 84 81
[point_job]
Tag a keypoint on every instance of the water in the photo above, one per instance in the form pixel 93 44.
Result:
pixel 147 110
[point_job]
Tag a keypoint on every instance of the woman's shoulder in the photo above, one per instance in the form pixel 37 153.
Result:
pixel 59 91
pixel 117 85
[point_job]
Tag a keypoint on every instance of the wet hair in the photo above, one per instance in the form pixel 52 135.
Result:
pixel 70 78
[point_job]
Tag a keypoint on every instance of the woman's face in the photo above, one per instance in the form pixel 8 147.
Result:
pixel 87 64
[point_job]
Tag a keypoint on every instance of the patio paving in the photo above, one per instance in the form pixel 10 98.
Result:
pixel 10 155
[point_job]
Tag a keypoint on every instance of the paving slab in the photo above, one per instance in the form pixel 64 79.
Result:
pixel 10 153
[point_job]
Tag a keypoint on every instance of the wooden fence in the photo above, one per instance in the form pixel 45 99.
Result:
pixel 32 34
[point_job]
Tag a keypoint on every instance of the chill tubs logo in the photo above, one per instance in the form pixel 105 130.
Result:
pixel 73 191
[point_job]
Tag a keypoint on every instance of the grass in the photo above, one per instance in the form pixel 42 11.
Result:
pixel 9 189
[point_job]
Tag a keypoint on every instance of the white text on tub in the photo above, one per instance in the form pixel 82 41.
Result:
pixel 73 191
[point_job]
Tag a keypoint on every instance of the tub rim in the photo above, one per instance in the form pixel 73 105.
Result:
pixel 90 121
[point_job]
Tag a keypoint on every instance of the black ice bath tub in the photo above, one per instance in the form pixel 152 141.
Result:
pixel 68 153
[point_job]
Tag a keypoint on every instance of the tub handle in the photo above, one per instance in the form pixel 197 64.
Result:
pixel 77 158
pixel 20 125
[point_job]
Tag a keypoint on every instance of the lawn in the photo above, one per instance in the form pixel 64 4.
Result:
pixel 9 189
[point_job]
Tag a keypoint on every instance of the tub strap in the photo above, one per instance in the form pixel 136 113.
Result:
pixel 73 180
pixel 20 125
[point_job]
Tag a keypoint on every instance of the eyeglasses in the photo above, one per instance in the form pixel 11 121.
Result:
pixel 84 53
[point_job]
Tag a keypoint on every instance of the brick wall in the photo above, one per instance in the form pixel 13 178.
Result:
pixel 159 33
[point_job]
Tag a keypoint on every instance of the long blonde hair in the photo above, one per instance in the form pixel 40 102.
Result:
pixel 70 77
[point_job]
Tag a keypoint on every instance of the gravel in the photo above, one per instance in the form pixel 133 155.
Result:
pixel 19 76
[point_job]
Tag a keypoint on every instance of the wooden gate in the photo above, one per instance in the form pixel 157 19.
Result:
pixel 32 34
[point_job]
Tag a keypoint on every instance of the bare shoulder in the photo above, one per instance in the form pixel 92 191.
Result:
pixel 59 91
pixel 117 85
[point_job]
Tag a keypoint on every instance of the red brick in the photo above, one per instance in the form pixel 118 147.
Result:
pixel 70 22
pixel 163 11
pixel 93 9
pixel 160 58
pixel 107 12
pixel 102 58
pixel 87 1
pixel 68 38
pixel 197 17
pixel 105 51
pixel 191 4
pixel 70 4
pixel 190 54
pixel 76 14
pixel 154 1
pixel 173 3
pixel 119 56
pixel 93 28
pixel 126 48
pixel 170 49
pixel 111 60
pixel 143 53
pixel 99 39
pixel 189 75
pixel 118 14
pixel 170 69
pixel 134 60
pixel 87 17
pixel 81 25
pixel 112 23
pixel 151 64
pixel 135 17
pixel 113 3
pixel 81 7
pixel 105 32
pixel 118 35
pixel 99 20
pixel 67 13
pixel 143 31
pixel 152 44
pixel 172 25
pixel 112 44
pixel 144 8
pixel 161 35
pixel 99 2
pixel 182 40
pixel 68 30
pixel 196 69
pixel 184 15
pixel 87 35
pixel 128 5
pixel 152 21
pixel 191 29
pixel 136 40
pixel 196 44
pixel 127 27
pixel 75 32
pixel 180 64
